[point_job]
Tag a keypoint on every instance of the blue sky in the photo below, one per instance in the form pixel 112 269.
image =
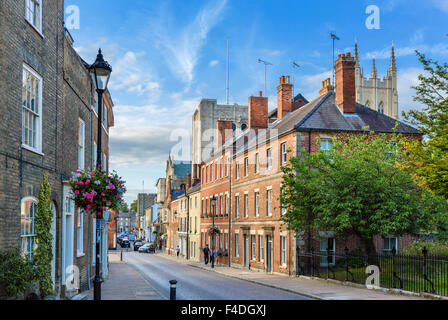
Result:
pixel 168 54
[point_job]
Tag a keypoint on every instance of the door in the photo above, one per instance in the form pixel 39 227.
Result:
pixel 268 254
pixel 67 233
pixel 246 250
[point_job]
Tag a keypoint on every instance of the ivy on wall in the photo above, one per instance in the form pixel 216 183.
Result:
pixel 16 273
pixel 44 239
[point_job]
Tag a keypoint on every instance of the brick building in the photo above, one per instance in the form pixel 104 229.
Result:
pixel 48 126
pixel 259 240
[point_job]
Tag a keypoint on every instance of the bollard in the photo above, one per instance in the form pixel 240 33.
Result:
pixel 173 289
pixel 121 257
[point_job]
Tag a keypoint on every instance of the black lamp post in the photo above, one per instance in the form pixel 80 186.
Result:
pixel 100 71
pixel 213 202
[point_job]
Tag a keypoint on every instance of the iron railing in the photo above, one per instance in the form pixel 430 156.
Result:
pixel 419 273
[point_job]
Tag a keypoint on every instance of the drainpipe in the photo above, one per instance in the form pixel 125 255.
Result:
pixel 188 226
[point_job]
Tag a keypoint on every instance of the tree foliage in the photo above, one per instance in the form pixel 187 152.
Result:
pixel 123 206
pixel 354 189
pixel 134 206
pixel 16 272
pixel 44 239
pixel 428 159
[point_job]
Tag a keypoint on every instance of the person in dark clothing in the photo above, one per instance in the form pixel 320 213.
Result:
pixel 212 256
pixel 206 254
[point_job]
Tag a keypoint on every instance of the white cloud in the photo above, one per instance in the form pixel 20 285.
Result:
pixel 439 49
pixel 213 63
pixel 407 78
pixel 183 45
pixel 441 5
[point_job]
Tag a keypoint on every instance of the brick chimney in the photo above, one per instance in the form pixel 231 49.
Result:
pixel 224 131
pixel 345 83
pixel 258 112
pixel 326 87
pixel 188 181
pixel 284 96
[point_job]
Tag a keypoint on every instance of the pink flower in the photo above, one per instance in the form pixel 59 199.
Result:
pixel 118 197
pixel 103 194
pixel 76 191
pixel 77 171
pixel 89 206
pixel 87 181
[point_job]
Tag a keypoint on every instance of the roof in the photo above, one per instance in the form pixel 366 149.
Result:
pixel 181 168
pixel 177 193
pixel 323 114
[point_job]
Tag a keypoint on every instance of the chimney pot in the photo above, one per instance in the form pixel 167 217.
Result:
pixel 284 97
pixel 260 94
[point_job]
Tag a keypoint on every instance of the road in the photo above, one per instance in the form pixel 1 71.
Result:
pixel 198 284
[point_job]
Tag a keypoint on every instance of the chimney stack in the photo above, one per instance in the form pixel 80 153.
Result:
pixel 345 83
pixel 224 131
pixel 258 112
pixel 284 96
pixel 188 181
pixel 326 87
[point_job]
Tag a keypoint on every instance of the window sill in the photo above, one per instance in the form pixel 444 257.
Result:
pixel 35 29
pixel 24 146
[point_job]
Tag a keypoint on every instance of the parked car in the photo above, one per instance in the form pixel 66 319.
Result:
pixel 125 243
pixel 137 245
pixel 147 247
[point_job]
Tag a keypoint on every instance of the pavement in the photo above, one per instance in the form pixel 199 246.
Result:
pixel 126 283
pixel 313 288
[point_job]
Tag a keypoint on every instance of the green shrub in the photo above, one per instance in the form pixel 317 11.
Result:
pixel 438 248
pixel 16 273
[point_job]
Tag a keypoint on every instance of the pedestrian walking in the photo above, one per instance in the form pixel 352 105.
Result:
pixel 206 254
pixel 212 256
pixel 177 251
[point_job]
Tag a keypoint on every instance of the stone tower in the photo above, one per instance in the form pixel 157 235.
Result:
pixel 379 94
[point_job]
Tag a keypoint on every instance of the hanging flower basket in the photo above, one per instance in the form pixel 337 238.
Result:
pixel 95 190
pixel 213 231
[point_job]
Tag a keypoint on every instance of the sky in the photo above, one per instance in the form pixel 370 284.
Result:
pixel 167 55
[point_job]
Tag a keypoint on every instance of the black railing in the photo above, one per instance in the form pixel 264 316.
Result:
pixel 420 273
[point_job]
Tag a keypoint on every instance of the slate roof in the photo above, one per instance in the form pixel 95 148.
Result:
pixel 324 115
pixel 181 168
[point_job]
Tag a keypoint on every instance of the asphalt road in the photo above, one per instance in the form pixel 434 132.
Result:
pixel 198 284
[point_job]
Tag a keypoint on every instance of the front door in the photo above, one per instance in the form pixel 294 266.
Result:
pixel 246 250
pixel 68 243
pixel 268 254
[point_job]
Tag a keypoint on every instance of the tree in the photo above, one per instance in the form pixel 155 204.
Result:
pixel 428 159
pixel 134 206
pixel 354 189
pixel 123 207
pixel 44 252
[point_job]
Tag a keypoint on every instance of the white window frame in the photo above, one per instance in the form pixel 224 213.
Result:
pixel 81 144
pixel 269 158
pixel 261 247
pixel 388 239
pixel 246 166
pixel 237 171
pixel 246 205
pixel 284 153
pixel 283 251
pixel 221 168
pixel 28 235
pixel 104 165
pixel 237 245
pixel 323 260
pixel 237 206
pixel 30 16
pixel 326 144
pixel 253 247
pixel 37 148
pixel 227 166
pixel 269 202
pixel 257 163
pixel 227 203
pixel 80 234
pixel 257 204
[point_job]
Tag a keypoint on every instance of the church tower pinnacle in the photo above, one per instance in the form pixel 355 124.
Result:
pixel 393 65
pixel 374 73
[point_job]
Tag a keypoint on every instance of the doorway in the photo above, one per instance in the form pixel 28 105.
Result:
pixel 246 250
pixel 268 254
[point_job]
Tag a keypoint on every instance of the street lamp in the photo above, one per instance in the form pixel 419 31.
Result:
pixel 213 202
pixel 100 71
